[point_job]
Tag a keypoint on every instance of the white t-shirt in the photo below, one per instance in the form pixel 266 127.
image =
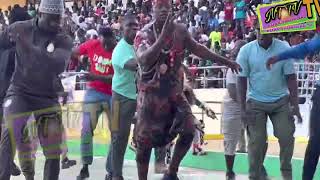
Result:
pixel 203 8
pixel 91 33
pixel 6 19
pixel 89 20
pixel 230 77
pixel 75 18
pixel 203 38
pixel 221 17
pixel 192 30
pixel 116 26
pixel 197 18
pixel 230 46
pixel 83 25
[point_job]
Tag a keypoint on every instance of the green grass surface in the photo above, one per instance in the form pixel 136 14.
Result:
pixel 212 161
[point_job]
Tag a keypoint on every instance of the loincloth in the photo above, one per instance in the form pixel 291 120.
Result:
pixel 160 120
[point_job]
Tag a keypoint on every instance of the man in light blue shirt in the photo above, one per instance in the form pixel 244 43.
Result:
pixel 123 81
pixel 123 97
pixel 270 95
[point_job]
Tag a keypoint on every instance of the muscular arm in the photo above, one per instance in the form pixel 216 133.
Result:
pixel 75 53
pixel 201 50
pixel 301 51
pixel 242 92
pixel 131 65
pixel 293 89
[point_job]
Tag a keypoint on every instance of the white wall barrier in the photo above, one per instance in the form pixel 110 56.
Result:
pixel 306 74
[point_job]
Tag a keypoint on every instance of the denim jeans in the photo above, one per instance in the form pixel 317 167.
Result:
pixel 94 104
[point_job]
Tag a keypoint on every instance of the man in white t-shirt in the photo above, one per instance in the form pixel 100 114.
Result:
pixel 197 18
pixel 231 116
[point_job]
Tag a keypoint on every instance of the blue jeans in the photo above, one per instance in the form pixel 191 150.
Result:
pixel 94 104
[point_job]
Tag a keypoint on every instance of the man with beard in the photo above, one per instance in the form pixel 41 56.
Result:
pixel 163 112
pixel 42 52
pixel 277 99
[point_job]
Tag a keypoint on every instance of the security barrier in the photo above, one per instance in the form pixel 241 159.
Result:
pixel 306 76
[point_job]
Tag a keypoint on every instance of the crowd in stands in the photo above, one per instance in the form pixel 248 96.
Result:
pixel 218 24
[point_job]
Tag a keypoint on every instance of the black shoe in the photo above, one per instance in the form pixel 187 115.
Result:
pixel 67 163
pixel 230 176
pixel 133 147
pixel 108 176
pixel 242 151
pixel 118 178
pixel 15 171
pixel 84 173
pixel 170 177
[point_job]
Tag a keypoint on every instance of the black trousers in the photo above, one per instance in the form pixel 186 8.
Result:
pixel 313 149
pixel 1 117
pixel 20 133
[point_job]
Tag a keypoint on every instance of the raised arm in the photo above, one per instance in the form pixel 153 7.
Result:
pixel 148 54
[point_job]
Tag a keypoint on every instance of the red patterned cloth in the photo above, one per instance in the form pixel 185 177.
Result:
pixel 163 111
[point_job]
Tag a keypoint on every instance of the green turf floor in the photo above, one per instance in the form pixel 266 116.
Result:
pixel 212 161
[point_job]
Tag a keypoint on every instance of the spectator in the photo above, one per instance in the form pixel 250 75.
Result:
pixel 240 15
pixel 228 11
pixel 213 22
pixel 192 28
pixel 215 37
